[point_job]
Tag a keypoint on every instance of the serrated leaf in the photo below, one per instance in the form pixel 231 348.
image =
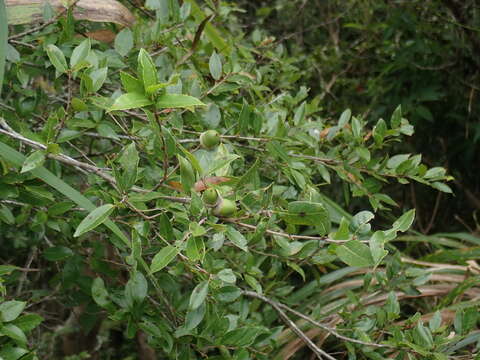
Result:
pixel 94 219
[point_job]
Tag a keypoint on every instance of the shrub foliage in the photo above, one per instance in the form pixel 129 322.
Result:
pixel 176 193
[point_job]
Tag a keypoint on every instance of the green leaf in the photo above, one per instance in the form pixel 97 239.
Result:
pixel 377 250
pixel 344 118
pixel 211 32
pixel 80 52
pixel 300 114
pixel 227 275
pixel 28 322
pixel 228 293
pixel 57 253
pixel 248 176
pixel 94 219
pixel 177 101
pixel 243 336
pixel 254 284
pixel 58 184
pixel 236 238
pixel 195 317
pixel 404 222
pixel 215 66
pixel 124 42
pixel 34 160
pixel 98 78
pixel 198 295
pixel 99 292
pixel 343 232
pixel 3 40
pixel 136 289
pixel 10 310
pixel 163 258
pixel 10 352
pixel 57 58
pixel 308 213
pixel 6 215
pixel 186 173
pixel 396 118
pixel 195 248
pixel 129 161
pixel 442 187
pixel 354 253
pixel 130 101
pixel 15 333
pixel 146 69
pixel 131 84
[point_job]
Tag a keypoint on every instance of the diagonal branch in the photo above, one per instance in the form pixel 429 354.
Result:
pixel 328 329
pixel 7 130
pixel 319 352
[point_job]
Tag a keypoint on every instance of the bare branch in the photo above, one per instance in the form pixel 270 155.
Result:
pixel 319 352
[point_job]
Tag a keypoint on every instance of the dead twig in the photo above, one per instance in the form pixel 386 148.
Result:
pixel 319 352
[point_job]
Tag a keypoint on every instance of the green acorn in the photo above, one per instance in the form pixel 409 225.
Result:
pixel 210 139
pixel 225 208
pixel 210 196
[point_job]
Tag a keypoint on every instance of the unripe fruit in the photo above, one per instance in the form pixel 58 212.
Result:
pixel 210 196
pixel 209 139
pixel 225 208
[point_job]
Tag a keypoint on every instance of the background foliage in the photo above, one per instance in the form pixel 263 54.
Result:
pixel 110 249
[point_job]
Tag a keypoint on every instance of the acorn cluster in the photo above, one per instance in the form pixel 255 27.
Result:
pixel 211 197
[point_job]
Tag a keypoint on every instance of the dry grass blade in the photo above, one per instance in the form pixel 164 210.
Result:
pixel 444 283
pixel 31 11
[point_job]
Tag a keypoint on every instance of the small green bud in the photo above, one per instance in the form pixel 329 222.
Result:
pixel 225 208
pixel 210 196
pixel 210 139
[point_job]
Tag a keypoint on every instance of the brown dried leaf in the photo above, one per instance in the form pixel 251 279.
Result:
pixel 103 35
pixel 31 11
pixel 203 184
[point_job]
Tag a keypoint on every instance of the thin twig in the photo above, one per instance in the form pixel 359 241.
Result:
pixel 316 323
pixel 7 130
pixel 319 352
pixel 290 236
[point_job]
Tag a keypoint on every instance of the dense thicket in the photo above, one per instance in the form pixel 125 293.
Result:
pixel 374 55
pixel 220 180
